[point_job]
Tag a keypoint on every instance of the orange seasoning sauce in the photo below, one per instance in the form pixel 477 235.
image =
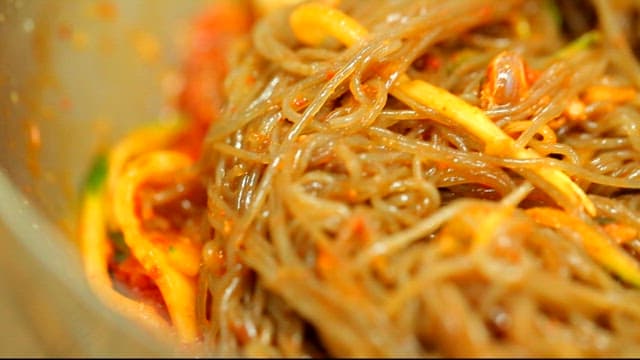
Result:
pixel 200 99
pixel 205 67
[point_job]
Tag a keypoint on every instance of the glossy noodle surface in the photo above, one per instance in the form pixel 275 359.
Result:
pixel 387 178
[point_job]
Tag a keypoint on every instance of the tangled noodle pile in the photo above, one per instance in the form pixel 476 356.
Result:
pixel 388 178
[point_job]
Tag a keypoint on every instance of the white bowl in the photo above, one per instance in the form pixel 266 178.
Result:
pixel 74 76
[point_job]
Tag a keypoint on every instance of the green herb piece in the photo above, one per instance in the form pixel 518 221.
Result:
pixel 604 220
pixel 97 174
pixel 584 41
pixel 122 251
pixel 554 11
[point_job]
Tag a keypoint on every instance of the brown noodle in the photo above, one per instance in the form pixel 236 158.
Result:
pixel 343 221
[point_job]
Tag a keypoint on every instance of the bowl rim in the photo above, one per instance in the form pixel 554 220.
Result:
pixel 50 247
